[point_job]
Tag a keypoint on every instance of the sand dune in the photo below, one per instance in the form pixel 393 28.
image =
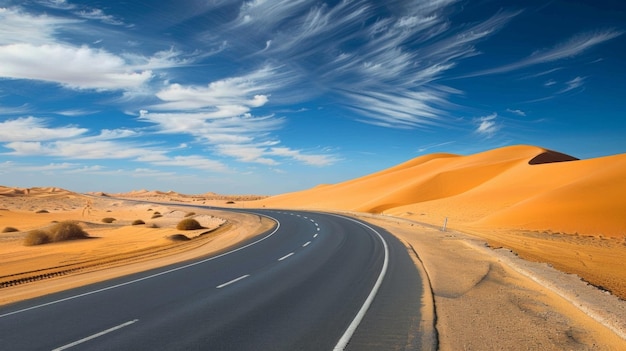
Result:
pixel 521 187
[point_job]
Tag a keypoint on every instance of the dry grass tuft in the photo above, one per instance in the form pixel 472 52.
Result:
pixel 36 237
pixel 67 230
pixel 188 224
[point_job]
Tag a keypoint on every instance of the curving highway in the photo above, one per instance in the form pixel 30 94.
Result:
pixel 315 282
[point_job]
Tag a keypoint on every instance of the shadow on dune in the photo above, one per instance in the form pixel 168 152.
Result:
pixel 550 156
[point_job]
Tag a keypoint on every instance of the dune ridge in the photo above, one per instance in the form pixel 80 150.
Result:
pixel 521 187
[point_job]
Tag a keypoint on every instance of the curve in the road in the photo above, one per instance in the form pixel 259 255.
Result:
pixel 305 285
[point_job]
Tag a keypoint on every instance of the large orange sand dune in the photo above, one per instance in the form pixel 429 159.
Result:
pixel 502 188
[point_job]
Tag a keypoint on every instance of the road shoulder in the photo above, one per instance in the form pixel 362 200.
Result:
pixel 491 299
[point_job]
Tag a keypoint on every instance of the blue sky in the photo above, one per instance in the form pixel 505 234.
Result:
pixel 269 96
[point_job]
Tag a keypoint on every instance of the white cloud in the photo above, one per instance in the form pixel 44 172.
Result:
pixel 35 129
pixel 570 48
pixel 57 4
pixel 516 112
pixel 248 152
pixel 573 84
pixel 298 155
pixel 74 67
pixel 19 27
pixel 99 15
pixel 551 82
pixel 487 125
pixel 192 161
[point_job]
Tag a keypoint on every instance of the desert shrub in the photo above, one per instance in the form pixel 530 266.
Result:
pixel 230 202
pixel 36 237
pixel 9 230
pixel 188 224
pixel 67 230
pixel 156 215
pixel 42 211
pixel 178 237
pixel 108 220
pixel 189 214
pixel 138 222
pixel 153 225
pixel 157 212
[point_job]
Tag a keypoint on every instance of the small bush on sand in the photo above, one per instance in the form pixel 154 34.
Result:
pixel 157 212
pixel 138 222
pixel 189 214
pixel 108 220
pixel 9 230
pixel 67 230
pixel 178 237
pixel 42 211
pixel 36 237
pixel 156 215
pixel 188 224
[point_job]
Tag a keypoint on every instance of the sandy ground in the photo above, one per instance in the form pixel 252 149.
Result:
pixel 113 249
pixel 488 299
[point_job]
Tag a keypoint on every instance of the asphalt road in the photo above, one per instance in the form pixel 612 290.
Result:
pixel 315 282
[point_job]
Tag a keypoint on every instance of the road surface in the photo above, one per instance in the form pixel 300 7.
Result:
pixel 315 282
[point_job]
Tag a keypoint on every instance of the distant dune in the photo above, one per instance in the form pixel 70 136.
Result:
pixel 517 187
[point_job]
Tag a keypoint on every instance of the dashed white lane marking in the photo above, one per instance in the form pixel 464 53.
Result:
pixel 315 235
pixel 286 256
pixel 306 244
pixel 96 335
pixel 233 281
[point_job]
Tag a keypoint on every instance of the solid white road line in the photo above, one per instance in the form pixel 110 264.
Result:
pixel 146 278
pixel 96 335
pixel 347 335
pixel 287 255
pixel 233 281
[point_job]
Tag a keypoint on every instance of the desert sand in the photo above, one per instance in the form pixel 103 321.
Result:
pixel 518 221
pixel 113 249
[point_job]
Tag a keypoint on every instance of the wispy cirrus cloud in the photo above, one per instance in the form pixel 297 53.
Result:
pixel 99 15
pixel 572 84
pixel 383 67
pixel 575 46
pixel 517 112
